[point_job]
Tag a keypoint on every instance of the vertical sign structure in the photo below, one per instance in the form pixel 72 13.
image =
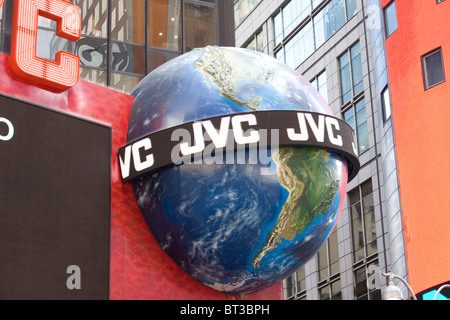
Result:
pixel 54 204
pixel 64 72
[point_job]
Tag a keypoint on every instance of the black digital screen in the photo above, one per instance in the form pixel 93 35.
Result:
pixel 54 204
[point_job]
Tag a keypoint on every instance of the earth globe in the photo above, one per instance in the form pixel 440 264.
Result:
pixel 236 227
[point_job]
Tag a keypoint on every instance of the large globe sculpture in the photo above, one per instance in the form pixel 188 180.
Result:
pixel 236 227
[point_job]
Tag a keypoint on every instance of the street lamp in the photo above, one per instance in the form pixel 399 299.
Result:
pixel 439 290
pixel 392 292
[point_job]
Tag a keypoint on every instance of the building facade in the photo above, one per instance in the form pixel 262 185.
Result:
pixel 417 58
pixel 354 52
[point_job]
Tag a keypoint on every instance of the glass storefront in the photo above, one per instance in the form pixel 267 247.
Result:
pixel 123 40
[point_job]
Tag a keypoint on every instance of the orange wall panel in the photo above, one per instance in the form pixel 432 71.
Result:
pixel 422 136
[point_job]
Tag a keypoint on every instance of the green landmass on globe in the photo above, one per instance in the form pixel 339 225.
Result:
pixel 303 172
pixel 214 64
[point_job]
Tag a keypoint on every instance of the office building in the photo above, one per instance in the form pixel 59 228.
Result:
pixel 381 67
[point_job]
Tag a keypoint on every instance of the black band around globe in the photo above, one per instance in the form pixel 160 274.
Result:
pixel 262 129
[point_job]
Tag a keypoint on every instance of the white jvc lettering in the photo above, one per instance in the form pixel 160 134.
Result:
pixel 219 138
pixel 135 151
pixel 318 129
pixel 10 133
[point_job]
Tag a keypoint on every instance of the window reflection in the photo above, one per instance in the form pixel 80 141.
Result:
pixel 92 52
pixel 94 17
pixel 356 117
pixel 256 43
pixel 242 8
pixel 363 221
pixel 128 21
pixel 362 291
pixel 165 24
pixel 320 83
pixel 433 69
pixel 294 13
pixel 329 20
pixel 124 40
pixel 390 16
pixel 314 26
pixel 295 285
pixel 200 28
pixel 351 73
pixel 300 47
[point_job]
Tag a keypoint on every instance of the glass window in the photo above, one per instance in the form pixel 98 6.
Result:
pixel 294 13
pixel 331 18
pixel 328 257
pixel 356 117
pixel 316 3
pixel 93 75
pixel 130 27
pixel 127 58
pixel 433 69
pixel 346 82
pixel 328 265
pixel 295 285
pixel 242 8
pixel 319 29
pixel 123 82
pixel 386 103
pixel 351 8
pixel 357 229
pixel 357 75
pixel 289 287
pixel 200 25
pixel 362 133
pixel 92 52
pixel 362 221
pixel 331 291
pixel 156 57
pixel 390 16
pixel 362 292
pixel 256 43
pixel 320 83
pixel 94 17
pixel 278 28
pixel 314 29
pixel 300 47
pixel 279 55
pixel 164 30
pixel 334 17
pixel 128 21
pixel 351 73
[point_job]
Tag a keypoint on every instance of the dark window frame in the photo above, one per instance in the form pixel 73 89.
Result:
pixel 423 58
pixel 388 6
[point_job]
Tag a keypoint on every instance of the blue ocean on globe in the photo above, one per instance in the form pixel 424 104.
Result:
pixel 236 226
